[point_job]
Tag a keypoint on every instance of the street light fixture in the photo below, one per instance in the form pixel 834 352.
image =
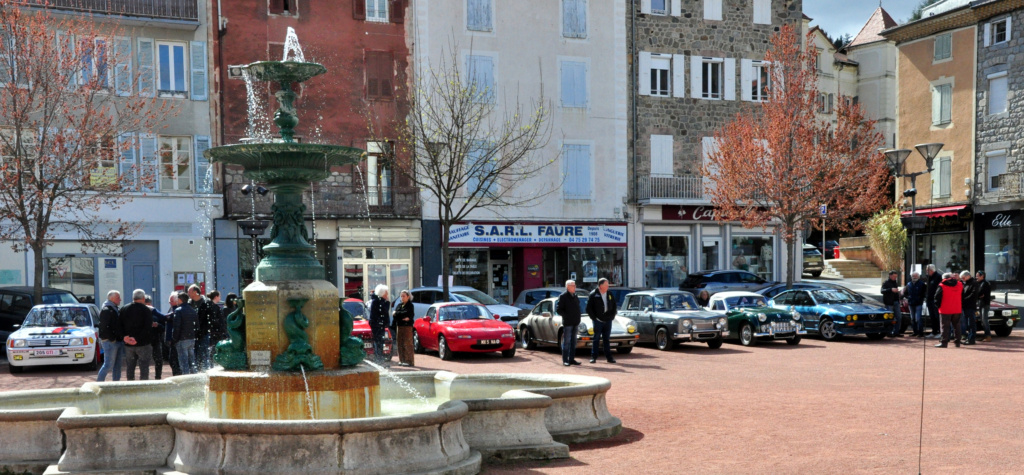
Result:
pixel 897 159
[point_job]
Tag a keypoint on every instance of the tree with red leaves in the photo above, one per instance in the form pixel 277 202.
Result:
pixel 776 164
pixel 67 113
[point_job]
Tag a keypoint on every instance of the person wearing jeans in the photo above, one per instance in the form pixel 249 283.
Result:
pixel 970 307
pixel 184 334
pixel 568 306
pixel 984 302
pixel 891 299
pixel 602 310
pixel 110 337
pixel 915 292
pixel 113 359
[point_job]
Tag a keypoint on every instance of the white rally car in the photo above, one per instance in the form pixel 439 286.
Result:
pixel 56 334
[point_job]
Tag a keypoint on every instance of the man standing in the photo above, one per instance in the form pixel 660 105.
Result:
pixel 602 309
pixel 948 299
pixel 110 337
pixel 970 307
pixel 172 352
pixel 157 339
pixel 891 299
pixel 568 306
pixel 218 322
pixel 915 292
pixel 380 310
pixel 184 334
pixel 984 302
pixel 204 326
pixel 137 329
pixel 934 278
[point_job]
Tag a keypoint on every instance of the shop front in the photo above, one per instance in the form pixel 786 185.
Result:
pixel 946 239
pixel 998 251
pixel 504 259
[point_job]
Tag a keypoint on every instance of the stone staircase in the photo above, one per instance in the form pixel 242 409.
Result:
pixel 851 269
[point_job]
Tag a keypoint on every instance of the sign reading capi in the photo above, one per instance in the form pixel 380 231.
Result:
pixel 526 234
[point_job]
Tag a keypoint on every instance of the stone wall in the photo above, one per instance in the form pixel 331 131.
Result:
pixel 688 120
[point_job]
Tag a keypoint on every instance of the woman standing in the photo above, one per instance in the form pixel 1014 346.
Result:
pixel 379 310
pixel 403 321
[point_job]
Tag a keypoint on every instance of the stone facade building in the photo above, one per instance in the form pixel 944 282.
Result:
pixel 696 64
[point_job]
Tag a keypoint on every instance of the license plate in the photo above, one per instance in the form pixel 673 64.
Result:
pixel 368 345
pixel 488 342
pixel 613 343
pixel 47 353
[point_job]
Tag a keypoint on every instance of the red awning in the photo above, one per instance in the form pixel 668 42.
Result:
pixel 937 212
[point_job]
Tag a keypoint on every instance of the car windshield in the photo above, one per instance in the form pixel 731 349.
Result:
pixel 746 301
pixel 59 298
pixel 474 296
pixel 811 252
pixel 675 302
pixel 833 296
pixel 464 312
pixel 356 309
pixel 58 317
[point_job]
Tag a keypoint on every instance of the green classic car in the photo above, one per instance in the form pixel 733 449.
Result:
pixel 750 318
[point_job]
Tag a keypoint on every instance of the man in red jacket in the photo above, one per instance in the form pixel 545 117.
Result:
pixel 948 298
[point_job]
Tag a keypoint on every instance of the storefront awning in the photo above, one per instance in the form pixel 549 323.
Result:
pixel 938 212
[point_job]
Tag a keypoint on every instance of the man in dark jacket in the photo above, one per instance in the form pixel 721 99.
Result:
pixel 137 329
pixel 984 303
pixel 929 296
pixel 160 351
pixel 204 326
pixel 110 337
pixel 184 334
pixel 891 299
pixel 602 310
pixel 970 304
pixel 915 292
pixel 218 320
pixel 568 306
pixel 172 352
pixel 380 319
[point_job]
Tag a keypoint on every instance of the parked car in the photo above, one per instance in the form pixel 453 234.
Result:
pixel 56 334
pixel 667 317
pixel 814 262
pixel 449 328
pixel 620 294
pixel 543 327
pixel 752 319
pixel 834 313
pixel 361 326
pixel 722 280
pixel 424 297
pixel 531 297
pixel 16 301
pixel 829 250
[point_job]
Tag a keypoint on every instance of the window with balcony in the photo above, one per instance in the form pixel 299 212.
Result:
pixel 996 168
pixel 574 18
pixel 175 166
pixel 479 15
pixel 95 70
pixel 171 69
pixel 997 92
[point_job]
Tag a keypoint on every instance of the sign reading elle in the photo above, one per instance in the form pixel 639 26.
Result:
pixel 1002 221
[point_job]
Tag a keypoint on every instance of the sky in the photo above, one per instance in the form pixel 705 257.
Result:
pixel 838 17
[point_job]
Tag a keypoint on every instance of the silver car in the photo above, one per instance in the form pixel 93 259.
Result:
pixel 669 317
pixel 543 327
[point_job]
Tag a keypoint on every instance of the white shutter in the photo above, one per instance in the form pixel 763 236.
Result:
pixel 127 168
pixel 946 97
pixel 935 176
pixel 1009 28
pixel 148 163
pixel 204 184
pixel 678 75
pixel 988 34
pixel 944 176
pixel 661 154
pixel 197 63
pixel 763 12
pixel 730 79
pixel 645 6
pixel 644 69
pixel 147 73
pixel 123 66
pixel 677 7
pixel 708 145
pixel 936 106
pixel 695 76
pixel 712 9
pixel 746 79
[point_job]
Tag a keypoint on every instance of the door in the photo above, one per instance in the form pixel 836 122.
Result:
pixel 646 315
pixel 802 302
pixel 709 253
pixel 428 339
pixel 144 277
pixel 500 286
pixel 545 326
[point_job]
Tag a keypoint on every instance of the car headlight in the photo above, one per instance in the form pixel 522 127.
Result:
pixel 991 313
pixel 762 317
pixel 1009 322
pixel 509 335
pixel 796 315
pixel 631 327
pixel 1007 313
pixel 75 342
pixel 583 329
pixel 18 344
pixel 687 323
pixel 723 322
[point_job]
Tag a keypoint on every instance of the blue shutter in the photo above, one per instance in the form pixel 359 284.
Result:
pixel 148 163
pixel 147 75
pixel 123 66
pixel 473 180
pixel 576 160
pixel 126 168
pixel 579 79
pixel 204 172
pixel 567 84
pixel 66 46
pixel 197 63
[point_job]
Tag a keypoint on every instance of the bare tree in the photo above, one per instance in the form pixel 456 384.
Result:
pixel 67 113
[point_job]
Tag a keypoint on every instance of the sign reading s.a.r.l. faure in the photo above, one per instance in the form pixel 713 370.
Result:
pixel 537 234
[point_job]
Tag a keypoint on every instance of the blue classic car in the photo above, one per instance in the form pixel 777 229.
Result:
pixel 833 313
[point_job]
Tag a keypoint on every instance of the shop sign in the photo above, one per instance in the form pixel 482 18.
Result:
pixel 533 269
pixel 536 234
pixel 1002 220
pixel 688 213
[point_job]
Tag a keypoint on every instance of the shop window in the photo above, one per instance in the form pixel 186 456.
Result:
pixel 665 260
pixel 1002 253
pixel 469 267
pixel 754 254
pixel 366 268
pixel 74 274
pixel 591 264
pixel 950 252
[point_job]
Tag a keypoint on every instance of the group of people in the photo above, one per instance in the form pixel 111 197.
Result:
pixel 955 304
pixel 398 318
pixel 602 309
pixel 137 334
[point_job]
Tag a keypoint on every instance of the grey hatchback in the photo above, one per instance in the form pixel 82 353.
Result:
pixel 721 280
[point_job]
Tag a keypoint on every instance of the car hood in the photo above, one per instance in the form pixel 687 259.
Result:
pixel 479 324
pixel 691 313
pixel 996 304
pixel 53 332
pixel 504 310
pixel 850 308
pixel 618 324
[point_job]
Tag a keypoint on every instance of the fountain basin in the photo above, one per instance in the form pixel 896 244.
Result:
pixel 333 394
pixel 288 162
pixel 284 71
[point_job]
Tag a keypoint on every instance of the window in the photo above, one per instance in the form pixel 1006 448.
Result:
pixel 576 161
pixel 283 7
pixel 665 260
pixel 660 69
pixel 942 98
pixel 388 266
pixel 9 143
pixel 574 18
pixel 171 69
pixel 574 84
pixel 997 88
pixel 378 173
pixel 941 178
pixel 377 10
pixel 74 274
pixel 479 15
pixel 825 103
pixel 996 168
pixel 659 7
pixel 9 69
pixel 379 75
pixel 762 12
pixel 104 173
pixel 661 155
pixel 175 163
pixel 661 74
pixel 480 169
pixel 943 47
pixel 711 79
pixel 712 9
pixel 756 80
pixel 94 67
pixel 997 32
pixel 754 254
pixel 481 77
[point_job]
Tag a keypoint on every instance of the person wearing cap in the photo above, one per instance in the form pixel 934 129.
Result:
pixel 891 299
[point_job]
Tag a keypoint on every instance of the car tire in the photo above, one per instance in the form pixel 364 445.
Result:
pixel 526 338
pixel 816 274
pixel 827 330
pixel 716 343
pixel 509 353
pixel 663 341
pixel 875 336
pixel 96 361
pixel 1004 331
pixel 14 369
pixel 416 346
pixel 793 341
pixel 625 350
pixel 442 349
pixel 747 337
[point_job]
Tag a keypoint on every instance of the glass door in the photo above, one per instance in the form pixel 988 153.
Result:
pixel 500 286
pixel 709 252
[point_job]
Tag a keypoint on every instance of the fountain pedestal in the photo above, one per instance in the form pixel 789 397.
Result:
pixel 334 394
pixel 268 306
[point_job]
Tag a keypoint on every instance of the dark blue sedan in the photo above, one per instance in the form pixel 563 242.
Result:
pixel 834 313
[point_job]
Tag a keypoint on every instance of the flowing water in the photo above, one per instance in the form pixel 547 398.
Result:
pixel 292 48
pixel 400 382
pixel 258 128
pixel 309 398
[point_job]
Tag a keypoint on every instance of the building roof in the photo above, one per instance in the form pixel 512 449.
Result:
pixel 959 17
pixel 871 32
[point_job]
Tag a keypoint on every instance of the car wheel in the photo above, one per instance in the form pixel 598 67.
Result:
pixel 625 350
pixel 96 361
pixel 875 336
pixel 509 352
pixel 793 341
pixel 416 346
pixel 816 274
pixel 827 329
pixel 442 349
pixel 1004 331
pixel 747 337
pixel 15 369
pixel 715 344
pixel 526 338
pixel 662 340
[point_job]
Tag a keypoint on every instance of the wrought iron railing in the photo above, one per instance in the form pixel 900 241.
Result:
pixel 686 187
pixel 332 201
pixel 1008 186
pixel 164 9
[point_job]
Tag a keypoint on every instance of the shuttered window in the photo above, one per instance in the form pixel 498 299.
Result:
pixel 941 178
pixel 478 15
pixel 661 155
pixel 123 66
pixel 204 172
pixel 574 18
pixel 576 161
pixel 712 9
pixel 126 168
pixel 480 71
pixel 763 12
pixel 996 168
pixel 171 69
pixel 997 90
pixel 377 10
pixel 942 99
pixel 574 84
pixel 943 47
pixel 480 170
pixel 147 71
pixel 197 61
pixel 379 75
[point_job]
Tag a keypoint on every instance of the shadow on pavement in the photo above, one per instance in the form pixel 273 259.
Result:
pixel 626 437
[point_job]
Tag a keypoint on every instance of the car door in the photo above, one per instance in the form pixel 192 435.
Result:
pixel 428 339
pixel 7 318
pixel 544 325
pixel 802 302
pixel 646 312
pixel 634 310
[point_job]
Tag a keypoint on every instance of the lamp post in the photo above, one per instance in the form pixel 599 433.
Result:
pixel 897 159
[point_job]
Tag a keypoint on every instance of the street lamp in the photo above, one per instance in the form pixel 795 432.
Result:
pixel 897 159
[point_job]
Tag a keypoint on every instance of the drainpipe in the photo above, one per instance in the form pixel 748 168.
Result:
pixel 636 87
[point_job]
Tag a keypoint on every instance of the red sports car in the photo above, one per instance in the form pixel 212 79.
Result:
pixel 361 327
pixel 462 326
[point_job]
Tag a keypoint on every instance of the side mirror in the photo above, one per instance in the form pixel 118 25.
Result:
pixel 497 317
pixel 771 302
pixel 426 318
pixel 16 326
pixel 546 314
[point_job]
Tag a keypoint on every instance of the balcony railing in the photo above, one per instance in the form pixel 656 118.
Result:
pixel 1008 187
pixel 163 9
pixel 333 201
pixel 670 187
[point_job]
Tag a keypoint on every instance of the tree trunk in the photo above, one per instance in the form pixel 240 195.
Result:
pixel 446 226
pixel 790 263
pixel 37 280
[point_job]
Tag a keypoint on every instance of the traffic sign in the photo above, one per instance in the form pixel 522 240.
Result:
pixel 823 209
